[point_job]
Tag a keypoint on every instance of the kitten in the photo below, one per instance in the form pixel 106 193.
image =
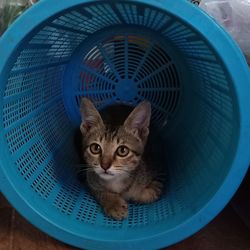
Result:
pixel 114 150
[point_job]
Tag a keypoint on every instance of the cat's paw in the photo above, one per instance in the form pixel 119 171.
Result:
pixel 152 192
pixel 118 209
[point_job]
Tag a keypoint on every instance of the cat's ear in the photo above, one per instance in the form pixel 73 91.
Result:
pixel 139 120
pixel 90 116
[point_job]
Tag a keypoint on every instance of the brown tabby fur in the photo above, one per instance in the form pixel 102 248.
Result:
pixel 113 179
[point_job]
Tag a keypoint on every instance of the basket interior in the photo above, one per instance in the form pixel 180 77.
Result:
pixel 117 52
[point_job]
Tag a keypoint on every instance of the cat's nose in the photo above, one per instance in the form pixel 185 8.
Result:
pixel 105 165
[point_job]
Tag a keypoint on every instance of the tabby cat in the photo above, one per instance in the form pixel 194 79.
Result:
pixel 113 148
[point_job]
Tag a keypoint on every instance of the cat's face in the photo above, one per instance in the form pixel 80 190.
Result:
pixel 112 154
pixel 116 152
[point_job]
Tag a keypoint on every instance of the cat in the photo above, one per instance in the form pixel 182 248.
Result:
pixel 115 153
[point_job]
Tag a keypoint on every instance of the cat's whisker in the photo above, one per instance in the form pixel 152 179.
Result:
pixel 124 171
pixel 80 172
pixel 85 165
pixel 83 169
pixel 86 169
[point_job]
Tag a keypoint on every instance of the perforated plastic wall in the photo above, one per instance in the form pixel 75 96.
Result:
pixel 112 52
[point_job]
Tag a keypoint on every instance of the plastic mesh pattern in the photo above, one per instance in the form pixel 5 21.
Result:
pixel 117 52
pixel 130 68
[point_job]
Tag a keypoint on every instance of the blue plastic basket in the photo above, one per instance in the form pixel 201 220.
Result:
pixel 168 52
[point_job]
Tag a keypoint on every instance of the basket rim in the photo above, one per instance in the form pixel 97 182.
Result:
pixel 235 64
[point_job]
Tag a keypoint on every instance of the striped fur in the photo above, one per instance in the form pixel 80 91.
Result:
pixel 112 178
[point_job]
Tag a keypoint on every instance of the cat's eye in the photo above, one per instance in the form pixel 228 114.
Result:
pixel 95 149
pixel 122 151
